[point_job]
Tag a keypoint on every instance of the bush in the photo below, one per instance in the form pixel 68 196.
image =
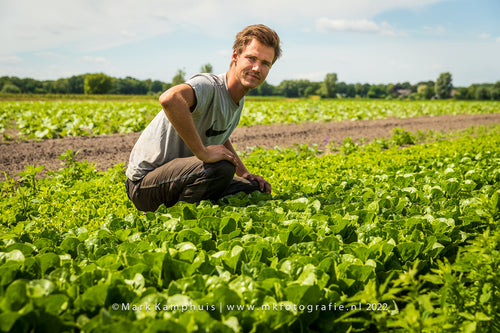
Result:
pixel 10 88
pixel 98 83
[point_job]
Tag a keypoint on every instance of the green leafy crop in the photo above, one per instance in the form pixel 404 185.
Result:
pixel 53 119
pixel 399 239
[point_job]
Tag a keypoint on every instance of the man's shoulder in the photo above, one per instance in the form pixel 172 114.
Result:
pixel 207 78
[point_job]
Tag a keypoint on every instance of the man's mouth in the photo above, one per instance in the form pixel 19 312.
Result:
pixel 254 76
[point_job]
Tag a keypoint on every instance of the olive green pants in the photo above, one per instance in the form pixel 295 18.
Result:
pixel 186 179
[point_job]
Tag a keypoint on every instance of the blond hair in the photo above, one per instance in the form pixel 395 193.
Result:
pixel 262 34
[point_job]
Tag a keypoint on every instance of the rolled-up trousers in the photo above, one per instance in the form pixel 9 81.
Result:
pixel 186 179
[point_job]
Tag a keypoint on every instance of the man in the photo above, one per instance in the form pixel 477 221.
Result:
pixel 185 153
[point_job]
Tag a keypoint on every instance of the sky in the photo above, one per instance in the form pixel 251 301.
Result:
pixel 366 41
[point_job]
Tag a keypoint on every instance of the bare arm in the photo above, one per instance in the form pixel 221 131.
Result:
pixel 176 103
pixel 243 172
pixel 241 169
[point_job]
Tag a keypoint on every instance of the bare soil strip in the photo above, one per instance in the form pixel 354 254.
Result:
pixel 106 151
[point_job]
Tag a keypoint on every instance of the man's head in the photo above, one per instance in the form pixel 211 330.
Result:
pixel 262 34
pixel 255 50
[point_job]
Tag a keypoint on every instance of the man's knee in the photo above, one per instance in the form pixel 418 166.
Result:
pixel 221 169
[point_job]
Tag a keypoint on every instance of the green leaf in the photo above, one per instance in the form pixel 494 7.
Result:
pixel 313 276
pixel 227 226
pixel 193 235
pixel 93 298
pixel 224 296
pixel 15 296
pixel 54 304
pixel 359 272
pixel 48 262
pixel 8 272
pixel 409 251
pixel 303 294
pixel 8 320
pixel 40 288
pixel 232 260
pixel 14 255
pixel 451 186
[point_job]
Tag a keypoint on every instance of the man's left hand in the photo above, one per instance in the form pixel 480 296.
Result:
pixel 264 186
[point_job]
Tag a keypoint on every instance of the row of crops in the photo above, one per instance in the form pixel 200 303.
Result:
pixel 386 236
pixel 54 119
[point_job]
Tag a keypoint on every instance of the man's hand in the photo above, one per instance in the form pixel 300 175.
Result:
pixel 216 153
pixel 263 184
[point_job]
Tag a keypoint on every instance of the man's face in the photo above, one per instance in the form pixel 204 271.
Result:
pixel 253 64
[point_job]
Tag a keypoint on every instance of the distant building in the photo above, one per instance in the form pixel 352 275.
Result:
pixel 403 92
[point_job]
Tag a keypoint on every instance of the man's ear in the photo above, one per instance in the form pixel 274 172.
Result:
pixel 234 57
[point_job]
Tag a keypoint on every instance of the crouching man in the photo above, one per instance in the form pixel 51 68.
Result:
pixel 185 153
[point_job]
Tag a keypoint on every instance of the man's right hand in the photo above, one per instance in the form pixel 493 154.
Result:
pixel 216 153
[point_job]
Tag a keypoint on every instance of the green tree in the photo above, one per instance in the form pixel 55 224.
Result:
pixel 482 93
pixel 98 83
pixel 328 86
pixel 443 86
pixel 341 88
pixel 207 68
pixel 296 88
pixel 289 88
pixel 130 86
pixel 179 77
pixel 61 86
pixel 425 91
pixel 376 91
pixel 76 84
pixel 156 86
pixel 265 89
pixel 350 90
pixel 495 91
pixel 461 94
pixel 31 86
pixel 361 89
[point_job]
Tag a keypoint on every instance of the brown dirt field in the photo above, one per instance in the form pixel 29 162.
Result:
pixel 106 151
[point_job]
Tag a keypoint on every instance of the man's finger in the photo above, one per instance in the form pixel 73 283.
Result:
pixel 268 187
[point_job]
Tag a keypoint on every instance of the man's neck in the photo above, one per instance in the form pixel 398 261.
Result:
pixel 236 90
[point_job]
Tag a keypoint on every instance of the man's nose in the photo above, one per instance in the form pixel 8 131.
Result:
pixel 256 66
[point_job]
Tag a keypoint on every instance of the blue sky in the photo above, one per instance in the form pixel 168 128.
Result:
pixel 368 41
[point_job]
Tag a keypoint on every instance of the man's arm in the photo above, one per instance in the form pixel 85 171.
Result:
pixel 243 172
pixel 176 102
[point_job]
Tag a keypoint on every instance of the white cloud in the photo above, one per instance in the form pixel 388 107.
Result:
pixel 225 53
pixel 438 30
pixel 97 60
pixel 311 76
pixel 79 36
pixel 10 60
pixel 361 26
pixel 128 34
pixel 85 26
pixel 47 54
pixel 397 60
pixel 484 36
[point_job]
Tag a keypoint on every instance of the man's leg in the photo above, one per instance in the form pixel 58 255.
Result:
pixel 186 179
pixel 241 185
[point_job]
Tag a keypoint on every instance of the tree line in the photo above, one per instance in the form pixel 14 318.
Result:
pixel 442 88
pixel 100 83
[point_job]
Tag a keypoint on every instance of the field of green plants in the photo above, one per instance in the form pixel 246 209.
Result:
pixel 394 235
pixel 55 119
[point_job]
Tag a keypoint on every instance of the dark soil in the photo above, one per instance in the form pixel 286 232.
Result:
pixel 106 151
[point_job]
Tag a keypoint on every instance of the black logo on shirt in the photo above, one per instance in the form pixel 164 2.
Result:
pixel 213 132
